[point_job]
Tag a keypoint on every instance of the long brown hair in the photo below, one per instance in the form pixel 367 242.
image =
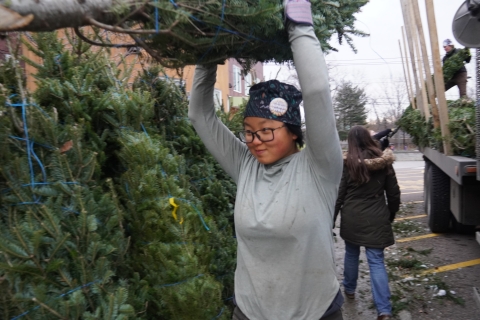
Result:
pixel 360 146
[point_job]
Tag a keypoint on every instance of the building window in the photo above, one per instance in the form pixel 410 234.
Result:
pixel 237 79
pixel 248 83
pixel 217 99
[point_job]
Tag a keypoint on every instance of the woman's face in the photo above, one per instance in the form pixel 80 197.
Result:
pixel 269 152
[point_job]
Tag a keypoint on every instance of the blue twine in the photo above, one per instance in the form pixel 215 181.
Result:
pixel 58 56
pixel 198 212
pixel 71 210
pixel 21 104
pixel 27 139
pixel 202 179
pixel 180 282
pixel 30 150
pixel 174 4
pixel 216 34
pixel 144 130
pixel 60 296
pixel 221 311
pixel 38 184
pixel 244 44
pixel 44 173
pixel 127 188
pixel 42 145
pixel 157 28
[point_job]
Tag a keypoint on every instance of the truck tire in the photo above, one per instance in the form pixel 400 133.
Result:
pixel 438 200
pixel 426 183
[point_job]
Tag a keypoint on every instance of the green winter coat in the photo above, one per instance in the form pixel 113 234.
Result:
pixel 368 210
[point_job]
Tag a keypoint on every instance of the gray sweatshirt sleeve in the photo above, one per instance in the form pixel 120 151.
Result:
pixel 322 141
pixel 219 140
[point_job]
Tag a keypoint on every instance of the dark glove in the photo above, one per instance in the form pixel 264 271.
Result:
pixel 298 11
pixel 393 132
pixel 392 217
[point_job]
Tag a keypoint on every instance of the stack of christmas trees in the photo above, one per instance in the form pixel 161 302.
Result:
pixel 110 206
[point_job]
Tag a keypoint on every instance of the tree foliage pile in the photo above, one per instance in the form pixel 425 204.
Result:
pixel 192 32
pixel 454 63
pixel 461 113
pixel 110 205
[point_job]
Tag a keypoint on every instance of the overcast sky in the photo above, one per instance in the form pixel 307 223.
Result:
pixel 377 63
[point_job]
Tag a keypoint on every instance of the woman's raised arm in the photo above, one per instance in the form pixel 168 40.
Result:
pixel 218 139
pixel 321 133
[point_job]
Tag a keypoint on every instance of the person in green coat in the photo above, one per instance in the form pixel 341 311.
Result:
pixel 368 199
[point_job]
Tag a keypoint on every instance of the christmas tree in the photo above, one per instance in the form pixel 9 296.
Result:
pixel 110 205
pixel 179 33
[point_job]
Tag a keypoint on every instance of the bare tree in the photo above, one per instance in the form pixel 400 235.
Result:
pixel 392 100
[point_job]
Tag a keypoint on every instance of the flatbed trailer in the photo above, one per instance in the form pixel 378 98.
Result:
pixel 452 192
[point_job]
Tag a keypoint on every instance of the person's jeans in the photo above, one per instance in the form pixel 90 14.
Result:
pixel 378 275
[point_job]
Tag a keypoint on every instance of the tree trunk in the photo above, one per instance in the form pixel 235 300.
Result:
pixel 50 15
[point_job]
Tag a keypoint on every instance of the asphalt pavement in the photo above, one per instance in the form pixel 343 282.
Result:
pixel 453 258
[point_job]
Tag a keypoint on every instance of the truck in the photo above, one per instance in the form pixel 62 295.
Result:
pixel 452 183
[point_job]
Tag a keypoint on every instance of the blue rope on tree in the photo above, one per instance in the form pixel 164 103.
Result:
pixel 31 153
pixel 27 140
pixel 180 282
pixel 174 4
pixel 221 311
pixel 216 34
pixel 157 27
pixel 60 296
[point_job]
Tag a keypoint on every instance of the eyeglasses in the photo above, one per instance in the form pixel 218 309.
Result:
pixel 264 135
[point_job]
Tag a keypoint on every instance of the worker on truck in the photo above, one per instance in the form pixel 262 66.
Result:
pixel 459 78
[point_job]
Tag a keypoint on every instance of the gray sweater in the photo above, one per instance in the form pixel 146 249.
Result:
pixel 283 211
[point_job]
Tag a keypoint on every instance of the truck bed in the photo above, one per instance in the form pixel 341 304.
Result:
pixel 456 167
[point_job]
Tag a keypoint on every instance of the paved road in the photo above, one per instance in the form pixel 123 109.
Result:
pixel 454 258
pixel 410 177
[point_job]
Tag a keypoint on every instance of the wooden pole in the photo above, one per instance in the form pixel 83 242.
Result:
pixel 412 55
pixel 438 75
pixel 414 103
pixel 423 89
pixel 407 84
pixel 426 64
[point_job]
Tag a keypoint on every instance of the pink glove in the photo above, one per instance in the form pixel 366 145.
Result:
pixel 298 11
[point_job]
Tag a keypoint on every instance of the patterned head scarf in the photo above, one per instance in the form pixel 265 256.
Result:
pixel 447 42
pixel 276 101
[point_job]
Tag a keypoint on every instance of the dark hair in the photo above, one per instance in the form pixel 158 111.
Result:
pixel 296 130
pixel 360 146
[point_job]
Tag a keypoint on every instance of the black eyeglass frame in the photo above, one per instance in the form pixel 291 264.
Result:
pixel 241 134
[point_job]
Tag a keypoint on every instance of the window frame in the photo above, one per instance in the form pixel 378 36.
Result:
pixel 237 79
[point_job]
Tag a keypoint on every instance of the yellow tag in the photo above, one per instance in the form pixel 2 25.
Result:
pixel 175 207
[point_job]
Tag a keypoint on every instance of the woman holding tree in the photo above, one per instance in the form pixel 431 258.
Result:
pixel 285 196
